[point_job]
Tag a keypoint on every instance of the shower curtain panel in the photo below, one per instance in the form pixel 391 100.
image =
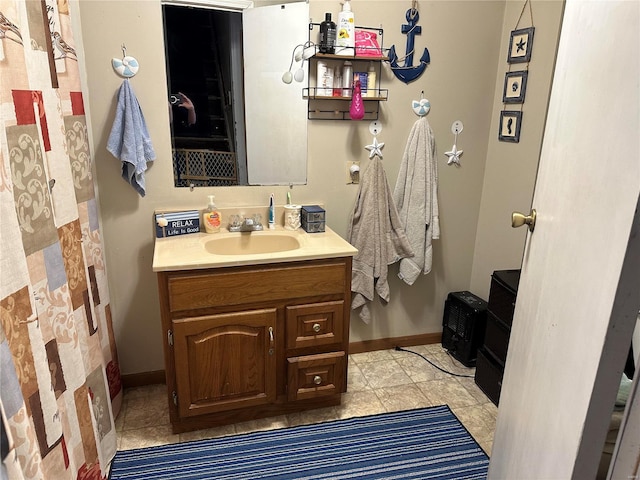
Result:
pixel 60 384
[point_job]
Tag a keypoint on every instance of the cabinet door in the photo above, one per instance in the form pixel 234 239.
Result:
pixel 226 361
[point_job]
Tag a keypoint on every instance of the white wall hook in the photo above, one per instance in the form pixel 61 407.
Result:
pixel 126 67
pixel 454 154
pixel 421 107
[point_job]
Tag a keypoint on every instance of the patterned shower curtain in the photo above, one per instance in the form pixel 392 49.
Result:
pixel 60 384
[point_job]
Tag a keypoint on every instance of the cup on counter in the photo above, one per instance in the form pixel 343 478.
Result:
pixel 292 217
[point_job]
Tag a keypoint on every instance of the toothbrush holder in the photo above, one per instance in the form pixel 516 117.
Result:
pixel 292 217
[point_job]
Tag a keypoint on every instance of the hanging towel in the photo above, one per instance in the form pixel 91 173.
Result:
pixel 375 230
pixel 416 197
pixel 129 140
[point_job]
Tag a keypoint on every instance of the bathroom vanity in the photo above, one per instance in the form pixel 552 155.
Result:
pixel 255 324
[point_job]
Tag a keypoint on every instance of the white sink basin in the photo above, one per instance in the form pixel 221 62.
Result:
pixel 225 249
pixel 251 243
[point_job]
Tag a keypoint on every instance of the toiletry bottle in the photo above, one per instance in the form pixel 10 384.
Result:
pixel 212 218
pixel 324 79
pixel 371 81
pixel 356 107
pixel 347 79
pixel 327 35
pixel 346 34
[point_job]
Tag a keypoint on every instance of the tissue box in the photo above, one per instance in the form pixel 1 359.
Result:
pixel 312 218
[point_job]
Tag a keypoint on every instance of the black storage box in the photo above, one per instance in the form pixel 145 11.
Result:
pixel 463 326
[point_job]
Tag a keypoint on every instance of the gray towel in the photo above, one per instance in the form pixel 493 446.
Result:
pixel 416 196
pixel 375 230
pixel 129 140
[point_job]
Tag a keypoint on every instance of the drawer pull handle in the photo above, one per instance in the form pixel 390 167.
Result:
pixel 271 334
pixel 316 327
pixel 317 379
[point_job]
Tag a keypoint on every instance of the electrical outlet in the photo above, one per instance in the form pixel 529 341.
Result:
pixel 353 173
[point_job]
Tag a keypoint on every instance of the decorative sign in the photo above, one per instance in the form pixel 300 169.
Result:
pixel 177 223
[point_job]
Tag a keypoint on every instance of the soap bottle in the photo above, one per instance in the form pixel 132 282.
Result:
pixel 346 34
pixel 211 217
pixel 327 35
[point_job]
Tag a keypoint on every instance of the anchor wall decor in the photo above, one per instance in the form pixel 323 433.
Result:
pixel 408 73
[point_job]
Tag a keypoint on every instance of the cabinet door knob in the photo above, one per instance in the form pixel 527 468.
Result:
pixel 317 379
pixel 316 327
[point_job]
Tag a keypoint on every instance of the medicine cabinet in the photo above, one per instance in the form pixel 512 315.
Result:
pixel 333 104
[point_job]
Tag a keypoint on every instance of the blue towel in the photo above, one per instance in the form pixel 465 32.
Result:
pixel 129 140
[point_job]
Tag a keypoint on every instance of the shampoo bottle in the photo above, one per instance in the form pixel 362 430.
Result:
pixel 346 34
pixel 212 217
pixel 327 35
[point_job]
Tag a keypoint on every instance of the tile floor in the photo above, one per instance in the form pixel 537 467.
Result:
pixel 381 381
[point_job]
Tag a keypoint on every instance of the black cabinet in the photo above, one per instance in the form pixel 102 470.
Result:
pixel 493 353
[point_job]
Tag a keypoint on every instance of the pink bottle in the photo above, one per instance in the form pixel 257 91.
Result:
pixel 356 109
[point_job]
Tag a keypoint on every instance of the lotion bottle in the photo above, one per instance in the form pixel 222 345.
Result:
pixel 346 34
pixel 371 81
pixel 211 217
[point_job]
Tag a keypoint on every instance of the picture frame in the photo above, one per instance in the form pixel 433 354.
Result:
pixel 520 45
pixel 510 123
pixel 515 87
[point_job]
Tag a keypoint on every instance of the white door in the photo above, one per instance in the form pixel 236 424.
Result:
pixel 579 291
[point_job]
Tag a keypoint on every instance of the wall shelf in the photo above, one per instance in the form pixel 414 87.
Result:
pixel 336 107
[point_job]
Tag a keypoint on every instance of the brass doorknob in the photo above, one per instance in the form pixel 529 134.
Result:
pixel 317 379
pixel 316 327
pixel 518 219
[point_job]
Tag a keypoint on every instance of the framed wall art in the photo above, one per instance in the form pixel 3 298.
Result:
pixel 520 45
pixel 515 87
pixel 510 123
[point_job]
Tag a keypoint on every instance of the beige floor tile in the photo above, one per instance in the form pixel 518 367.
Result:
pixel 478 420
pixel 312 416
pixel 356 381
pixel 359 404
pixel 402 397
pixel 368 357
pixel 269 423
pixel 148 437
pixel 447 392
pixel 470 385
pixel 386 373
pixel 418 369
pixel 208 433
pixel 146 411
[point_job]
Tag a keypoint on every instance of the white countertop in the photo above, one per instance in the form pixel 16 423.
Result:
pixel 188 252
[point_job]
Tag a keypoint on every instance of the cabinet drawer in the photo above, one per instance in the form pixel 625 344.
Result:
pixel 502 295
pixel 227 287
pixel 315 376
pixel 315 324
pixel 489 375
pixel 496 338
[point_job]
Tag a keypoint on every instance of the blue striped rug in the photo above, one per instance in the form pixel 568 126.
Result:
pixel 427 443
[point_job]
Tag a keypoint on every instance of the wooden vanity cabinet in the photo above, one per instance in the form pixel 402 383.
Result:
pixel 254 341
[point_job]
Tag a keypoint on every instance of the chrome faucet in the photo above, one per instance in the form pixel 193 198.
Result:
pixel 251 224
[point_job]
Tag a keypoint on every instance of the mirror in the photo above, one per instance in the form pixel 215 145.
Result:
pixel 233 120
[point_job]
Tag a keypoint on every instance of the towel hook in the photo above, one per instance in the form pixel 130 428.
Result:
pixel 126 67
pixel 421 107
pixel 454 154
